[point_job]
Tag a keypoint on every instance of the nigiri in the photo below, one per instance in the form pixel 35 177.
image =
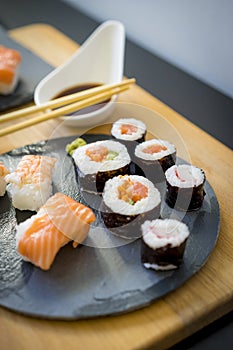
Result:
pixel 3 172
pixel 59 221
pixel 10 61
pixel 31 182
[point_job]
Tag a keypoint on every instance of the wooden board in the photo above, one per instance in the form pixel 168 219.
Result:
pixel 205 297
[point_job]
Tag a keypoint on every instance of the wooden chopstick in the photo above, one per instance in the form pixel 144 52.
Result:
pixel 65 100
pixel 62 111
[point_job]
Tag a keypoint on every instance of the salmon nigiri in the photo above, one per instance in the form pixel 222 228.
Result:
pixel 58 222
pixel 9 69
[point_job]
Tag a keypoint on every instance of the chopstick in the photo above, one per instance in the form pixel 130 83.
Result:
pixel 87 101
pixel 64 100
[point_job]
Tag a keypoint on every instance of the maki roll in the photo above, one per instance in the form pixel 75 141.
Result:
pixel 98 162
pixel 185 187
pixel 129 131
pixel 127 202
pixel 3 172
pixel 163 243
pixel 154 157
pixel 31 182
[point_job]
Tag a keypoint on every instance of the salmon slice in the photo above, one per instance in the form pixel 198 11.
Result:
pixel 9 66
pixel 139 191
pixel 154 149
pixel 128 129
pixel 58 222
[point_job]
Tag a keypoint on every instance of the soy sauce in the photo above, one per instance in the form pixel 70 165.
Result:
pixel 79 88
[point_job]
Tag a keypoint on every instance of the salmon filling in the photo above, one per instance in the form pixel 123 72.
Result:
pixel 128 129
pixel 100 153
pixel 132 191
pixel 154 149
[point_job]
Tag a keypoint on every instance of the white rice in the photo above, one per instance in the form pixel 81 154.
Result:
pixel 159 267
pixel 88 166
pixel 110 196
pixel 154 156
pixel 30 196
pixel 159 233
pixel 184 176
pixel 116 131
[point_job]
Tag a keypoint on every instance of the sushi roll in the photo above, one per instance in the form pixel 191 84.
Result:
pixel 154 157
pixel 10 61
pixel 130 132
pixel 3 172
pixel 31 182
pixel 185 187
pixel 127 202
pixel 59 221
pixel 99 161
pixel 163 243
pixel 129 129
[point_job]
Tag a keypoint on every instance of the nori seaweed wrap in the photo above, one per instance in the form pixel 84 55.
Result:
pixel 130 132
pixel 163 244
pixel 127 202
pixel 154 157
pixel 185 187
pixel 98 162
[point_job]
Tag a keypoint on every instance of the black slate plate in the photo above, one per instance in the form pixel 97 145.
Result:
pixel 102 277
pixel 32 70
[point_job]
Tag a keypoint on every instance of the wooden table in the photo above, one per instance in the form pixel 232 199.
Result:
pixel 205 297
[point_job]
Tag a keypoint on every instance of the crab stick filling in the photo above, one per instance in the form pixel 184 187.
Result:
pixel 184 176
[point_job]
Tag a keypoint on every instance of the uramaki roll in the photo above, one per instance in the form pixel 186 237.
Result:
pixel 163 243
pixel 185 187
pixel 127 202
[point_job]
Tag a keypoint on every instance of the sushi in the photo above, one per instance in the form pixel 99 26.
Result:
pixel 185 187
pixel 99 161
pixel 163 243
pixel 130 132
pixel 154 157
pixel 59 221
pixel 127 202
pixel 3 172
pixel 129 129
pixel 10 61
pixel 31 182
